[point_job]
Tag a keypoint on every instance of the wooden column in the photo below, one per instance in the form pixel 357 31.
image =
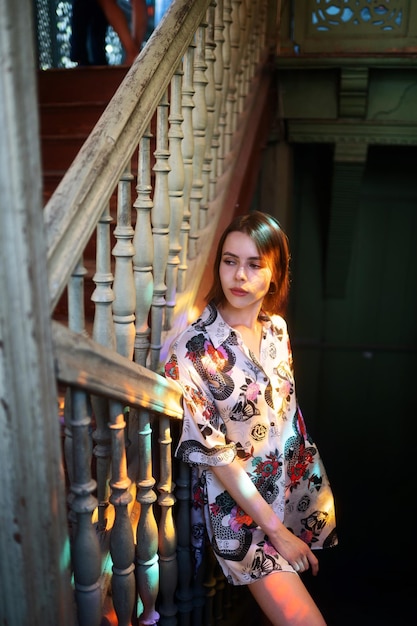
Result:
pixel 34 573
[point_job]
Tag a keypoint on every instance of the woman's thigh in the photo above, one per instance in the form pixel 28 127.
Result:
pixel 285 601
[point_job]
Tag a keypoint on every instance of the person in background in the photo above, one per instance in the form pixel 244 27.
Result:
pixel 131 37
pixel 88 33
pixel 90 20
pixel 257 479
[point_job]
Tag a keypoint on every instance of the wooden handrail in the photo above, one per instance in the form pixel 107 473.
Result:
pixel 83 363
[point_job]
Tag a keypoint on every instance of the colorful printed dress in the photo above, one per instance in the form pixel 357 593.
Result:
pixel 235 406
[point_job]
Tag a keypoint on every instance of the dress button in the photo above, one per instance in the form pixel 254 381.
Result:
pixel 265 379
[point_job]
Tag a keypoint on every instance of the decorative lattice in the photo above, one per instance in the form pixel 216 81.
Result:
pixel 358 15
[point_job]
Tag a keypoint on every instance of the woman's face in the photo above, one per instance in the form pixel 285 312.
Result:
pixel 245 276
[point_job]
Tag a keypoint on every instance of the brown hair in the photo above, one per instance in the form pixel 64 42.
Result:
pixel 272 244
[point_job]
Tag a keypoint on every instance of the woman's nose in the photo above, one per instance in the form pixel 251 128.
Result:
pixel 240 273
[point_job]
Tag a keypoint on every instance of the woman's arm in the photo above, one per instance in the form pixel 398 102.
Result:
pixel 238 484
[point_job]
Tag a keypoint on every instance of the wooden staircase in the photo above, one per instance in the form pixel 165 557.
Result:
pixel 70 103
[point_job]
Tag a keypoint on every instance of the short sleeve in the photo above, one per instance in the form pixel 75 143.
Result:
pixel 203 440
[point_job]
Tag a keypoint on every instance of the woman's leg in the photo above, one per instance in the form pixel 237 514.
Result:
pixel 285 600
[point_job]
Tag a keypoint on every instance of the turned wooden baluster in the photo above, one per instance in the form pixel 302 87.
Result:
pixel 86 556
pixel 241 63
pixel 227 55
pixel 232 90
pixel 241 38
pixel 147 531
pixel 184 593
pixel 160 229
pixel 103 296
pixel 167 532
pixel 176 181
pixel 260 32
pixel 228 599
pixel 199 129
pixel 103 333
pixel 187 147
pixel 220 603
pixel 243 71
pixel 218 85
pixel 76 316
pixel 122 547
pixel 76 321
pixel 255 42
pixel 124 286
pixel 210 94
pixel 199 591
pixel 209 584
pixel 102 450
pixel 143 245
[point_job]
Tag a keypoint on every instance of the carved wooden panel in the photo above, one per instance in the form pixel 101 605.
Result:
pixel 361 26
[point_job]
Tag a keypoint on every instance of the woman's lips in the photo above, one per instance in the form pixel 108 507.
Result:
pixel 238 292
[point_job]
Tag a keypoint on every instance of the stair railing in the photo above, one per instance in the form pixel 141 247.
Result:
pixel 176 133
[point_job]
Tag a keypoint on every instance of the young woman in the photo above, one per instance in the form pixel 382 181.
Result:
pixel 260 482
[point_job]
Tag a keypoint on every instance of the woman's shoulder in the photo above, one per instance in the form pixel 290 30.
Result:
pixel 197 327
pixel 276 323
pixel 278 320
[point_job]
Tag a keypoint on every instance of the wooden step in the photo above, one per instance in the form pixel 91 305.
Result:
pixel 79 84
pixel 63 118
pixel 59 151
pixel 70 102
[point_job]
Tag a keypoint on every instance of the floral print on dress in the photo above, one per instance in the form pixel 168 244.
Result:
pixel 239 407
pixel 246 408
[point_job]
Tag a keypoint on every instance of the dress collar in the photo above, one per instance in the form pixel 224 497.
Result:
pixel 218 329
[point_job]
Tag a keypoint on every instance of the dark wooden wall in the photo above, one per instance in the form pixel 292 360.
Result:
pixel 356 362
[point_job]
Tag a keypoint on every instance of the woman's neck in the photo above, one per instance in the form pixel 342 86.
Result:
pixel 247 318
pixel 246 322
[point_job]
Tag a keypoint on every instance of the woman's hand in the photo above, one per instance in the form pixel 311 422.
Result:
pixel 293 549
pixel 244 492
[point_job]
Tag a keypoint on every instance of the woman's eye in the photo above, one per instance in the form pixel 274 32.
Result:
pixel 254 266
